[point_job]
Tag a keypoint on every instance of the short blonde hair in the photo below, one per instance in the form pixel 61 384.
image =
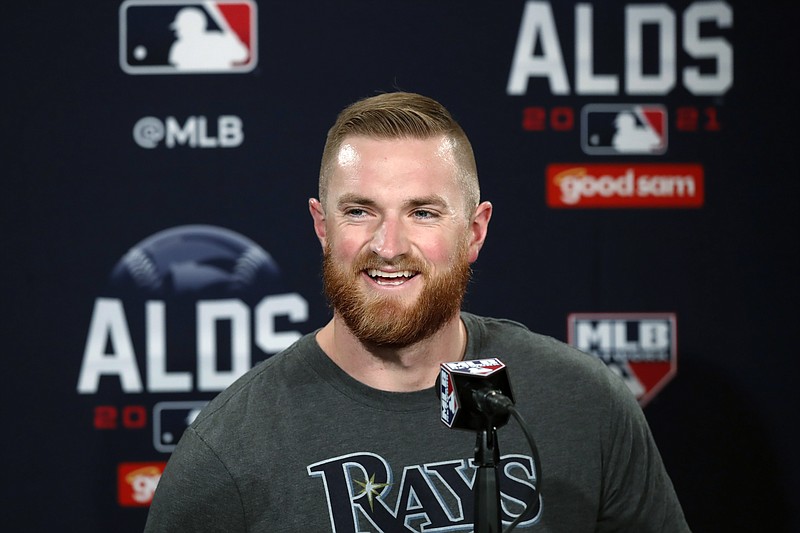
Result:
pixel 401 115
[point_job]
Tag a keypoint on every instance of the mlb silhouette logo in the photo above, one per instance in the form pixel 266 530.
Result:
pixel 217 37
pixel 170 420
pixel 624 129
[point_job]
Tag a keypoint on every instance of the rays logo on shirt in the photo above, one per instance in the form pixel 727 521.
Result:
pixel 624 129
pixel 363 495
pixel 187 37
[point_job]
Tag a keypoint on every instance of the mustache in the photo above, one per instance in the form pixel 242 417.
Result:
pixel 371 261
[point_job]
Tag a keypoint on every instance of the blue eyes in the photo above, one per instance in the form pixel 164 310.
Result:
pixel 420 214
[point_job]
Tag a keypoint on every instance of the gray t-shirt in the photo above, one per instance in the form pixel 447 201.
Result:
pixel 296 444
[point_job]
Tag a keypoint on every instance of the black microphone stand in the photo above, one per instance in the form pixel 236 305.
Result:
pixel 483 402
pixel 487 488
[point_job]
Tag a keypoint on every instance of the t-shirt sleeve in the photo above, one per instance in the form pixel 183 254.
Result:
pixel 638 495
pixel 196 492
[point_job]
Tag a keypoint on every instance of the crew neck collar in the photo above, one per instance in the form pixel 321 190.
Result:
pixel 389 401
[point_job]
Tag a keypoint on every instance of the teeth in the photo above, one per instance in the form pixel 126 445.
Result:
pixel 390 278
pixel 394 283
pixel 374 273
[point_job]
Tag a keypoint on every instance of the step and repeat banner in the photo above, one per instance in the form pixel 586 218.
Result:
pixel 158 157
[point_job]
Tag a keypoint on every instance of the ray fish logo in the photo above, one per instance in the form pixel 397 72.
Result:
pixel 187 37
pixel 624 129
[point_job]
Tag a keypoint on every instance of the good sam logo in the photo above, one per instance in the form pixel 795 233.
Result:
pixel 574 185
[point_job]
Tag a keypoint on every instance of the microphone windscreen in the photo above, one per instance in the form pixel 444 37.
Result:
pixel 456 384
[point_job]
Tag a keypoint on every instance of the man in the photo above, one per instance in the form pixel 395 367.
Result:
pixel 341 432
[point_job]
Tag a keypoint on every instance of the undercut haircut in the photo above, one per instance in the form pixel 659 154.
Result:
pixel 402 115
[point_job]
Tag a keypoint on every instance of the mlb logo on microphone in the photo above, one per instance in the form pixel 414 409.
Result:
pixel 490 372
pixel 639 347
pixel 187 37
pixel 449 400
pixel 624 129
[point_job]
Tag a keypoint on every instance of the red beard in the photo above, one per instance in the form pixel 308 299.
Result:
pixel 386 321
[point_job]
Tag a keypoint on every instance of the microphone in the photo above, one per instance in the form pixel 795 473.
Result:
pixel 475 394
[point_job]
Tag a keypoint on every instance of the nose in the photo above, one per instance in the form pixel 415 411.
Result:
pixel 389 240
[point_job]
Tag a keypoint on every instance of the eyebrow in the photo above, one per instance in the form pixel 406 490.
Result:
pixel 433 199
pixel 355 199
pixel 351 199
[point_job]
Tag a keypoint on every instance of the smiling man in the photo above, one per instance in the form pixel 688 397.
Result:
pixel 399 234
pixel 340 432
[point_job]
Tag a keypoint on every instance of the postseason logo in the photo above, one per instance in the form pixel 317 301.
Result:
pixel 185 37
pixel 186 312
pixel 639 347
pixel 622 129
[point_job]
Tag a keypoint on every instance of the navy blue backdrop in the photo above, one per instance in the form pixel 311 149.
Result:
pixel 157 241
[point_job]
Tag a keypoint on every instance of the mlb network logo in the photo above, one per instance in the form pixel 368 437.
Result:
pixel 187 37
pixel 639 347
pixel 624 129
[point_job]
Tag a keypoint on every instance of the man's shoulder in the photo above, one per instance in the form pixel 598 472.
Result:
pixel 505 332
pixel 255 390
pixel 509 339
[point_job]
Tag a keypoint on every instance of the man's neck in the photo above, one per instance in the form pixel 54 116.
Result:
pixel 406 369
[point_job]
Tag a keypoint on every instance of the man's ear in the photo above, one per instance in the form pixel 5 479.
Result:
pixel 318 215
pixel 479 226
